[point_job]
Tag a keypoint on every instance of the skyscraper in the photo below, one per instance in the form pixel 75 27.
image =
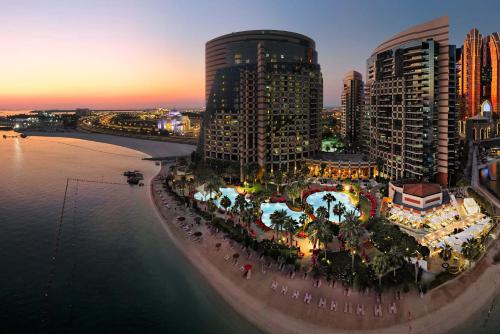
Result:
pixel 408 87
pixel 352 103
pixel 479 78
pixel 264 95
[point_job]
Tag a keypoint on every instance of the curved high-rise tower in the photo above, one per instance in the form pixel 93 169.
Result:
pixel 264 94
pixel 411 105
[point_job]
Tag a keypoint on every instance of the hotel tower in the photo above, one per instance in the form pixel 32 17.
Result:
pixel 411 102
pixel 264 95
pixel 479 77
pixel 352 103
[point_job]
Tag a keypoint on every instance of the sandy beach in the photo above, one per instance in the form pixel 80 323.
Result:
pixel 277 311
pixel 149 147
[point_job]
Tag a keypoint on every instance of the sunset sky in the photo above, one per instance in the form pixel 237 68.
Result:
pixel 145 53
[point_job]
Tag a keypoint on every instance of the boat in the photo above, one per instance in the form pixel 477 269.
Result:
pixel 131 173
pixel 133 180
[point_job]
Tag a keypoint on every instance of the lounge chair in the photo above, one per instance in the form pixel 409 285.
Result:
pixel 333 306
pixel 307 298
pixel 378 310
pixel 284 290
pixel 322 303
pixel 274 285
pixel 296 294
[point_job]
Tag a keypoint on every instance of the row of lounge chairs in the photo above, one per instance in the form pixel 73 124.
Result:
pixel 358 308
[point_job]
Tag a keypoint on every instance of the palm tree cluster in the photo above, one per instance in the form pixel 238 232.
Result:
pixel 351 231
pixel 281 221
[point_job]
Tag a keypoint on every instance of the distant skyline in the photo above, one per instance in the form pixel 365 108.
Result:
pixel 146 53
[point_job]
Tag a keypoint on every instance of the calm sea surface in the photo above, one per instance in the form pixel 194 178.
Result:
pixel 114 269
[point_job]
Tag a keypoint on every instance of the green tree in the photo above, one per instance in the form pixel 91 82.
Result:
pixel 322 168
pixel 470 249
pixel 211 208
pixel 321 212
pixel 351 232
pixel 291 227
pixel 396 259
pixel 380 265
pixel 240 203
pixel 294 193
pixel 266 178
pixel 446 252
pixel 303 219
pixel 339 209
pixel 304 170
pixel 225 202
pixel 278 180
pixel 277 220
pixel 329 199
pixel 325 234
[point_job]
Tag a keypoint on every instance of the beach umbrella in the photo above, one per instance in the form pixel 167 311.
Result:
pixel 247 267
pixel 197 234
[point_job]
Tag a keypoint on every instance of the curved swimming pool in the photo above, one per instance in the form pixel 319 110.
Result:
pixel 269 208
pixel 316 201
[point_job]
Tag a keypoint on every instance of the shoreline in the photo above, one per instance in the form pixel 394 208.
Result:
pixel 469 293
pixel 147 147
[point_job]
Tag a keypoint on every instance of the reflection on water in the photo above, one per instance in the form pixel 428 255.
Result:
pixel 115 270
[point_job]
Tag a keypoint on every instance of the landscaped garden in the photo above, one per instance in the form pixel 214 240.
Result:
pixel 331 231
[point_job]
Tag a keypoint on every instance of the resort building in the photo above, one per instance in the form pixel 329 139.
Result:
pixel 264 96
pixel 411 103
pixel 342 166
pixel 479 83
pixel 352 103
pixel 434 217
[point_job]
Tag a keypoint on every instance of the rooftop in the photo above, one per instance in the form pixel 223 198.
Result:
pixel 421 189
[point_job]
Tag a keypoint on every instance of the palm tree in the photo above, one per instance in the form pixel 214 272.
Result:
pixel 470 249
pixel 322 168
pixel 339 209
pixel 248 215
pixel 322 212
pixel 239 203
pixel 278 179
pixel 304 170
pixel 290 226
pixel 351 232
pixel 380 265
pixel 303 219
pixel 266 178
pixel 213 185
pixel 446 252
pixel 396 259
pixel 211 208
pixel 308 209
pixel 294 193
pixel 225 202
pixel 329 199
pixel 325 234
pixel 277 220
pixel 313 230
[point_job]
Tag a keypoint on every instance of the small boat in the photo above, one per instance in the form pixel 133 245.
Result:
pixel 131 173
pixel 133 180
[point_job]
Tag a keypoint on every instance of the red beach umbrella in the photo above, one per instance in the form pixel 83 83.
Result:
pixel 247 267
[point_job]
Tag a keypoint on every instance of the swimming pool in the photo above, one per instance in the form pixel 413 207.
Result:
pixel 316 201
pixel 231 193
pixel 269 208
